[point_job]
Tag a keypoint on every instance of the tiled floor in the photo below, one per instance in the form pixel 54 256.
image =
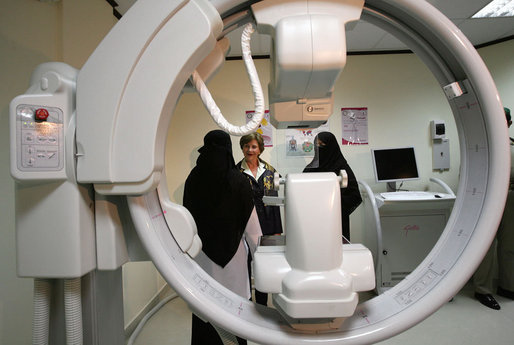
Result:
pixel 462 321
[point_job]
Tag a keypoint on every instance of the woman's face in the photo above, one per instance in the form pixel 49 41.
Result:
pixel 251 150
pixel 319 143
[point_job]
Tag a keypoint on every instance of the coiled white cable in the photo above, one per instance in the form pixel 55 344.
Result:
pixel 73 311
pixel 210 104
pixel 41 321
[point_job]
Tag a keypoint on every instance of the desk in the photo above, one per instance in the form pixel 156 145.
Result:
pixel 401 232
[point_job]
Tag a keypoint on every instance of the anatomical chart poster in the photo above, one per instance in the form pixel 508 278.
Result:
pixel 300 142
pixel 355 126
pixel 265 128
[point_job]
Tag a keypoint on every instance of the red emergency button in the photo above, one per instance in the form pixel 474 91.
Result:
pixel 41 114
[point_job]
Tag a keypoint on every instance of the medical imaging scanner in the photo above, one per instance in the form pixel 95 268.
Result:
pixel 102 130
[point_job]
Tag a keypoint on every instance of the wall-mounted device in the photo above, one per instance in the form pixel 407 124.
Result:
pixel 440 145
pixel 437 129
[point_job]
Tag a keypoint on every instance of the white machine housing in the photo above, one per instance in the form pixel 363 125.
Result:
pixel 308 55
pixel 313 276
pixel 108 161
pixel 402 228
pixel 55 230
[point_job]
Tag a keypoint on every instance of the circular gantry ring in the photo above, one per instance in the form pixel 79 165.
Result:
pixel 466 238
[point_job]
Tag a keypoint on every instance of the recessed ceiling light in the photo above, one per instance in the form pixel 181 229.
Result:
pixel 496 8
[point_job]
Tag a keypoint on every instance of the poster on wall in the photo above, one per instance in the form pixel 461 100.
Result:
pixel 355 126
pixel 300 142
pixel 265 128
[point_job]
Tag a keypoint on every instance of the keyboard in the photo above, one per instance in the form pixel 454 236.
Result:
pixel 407 195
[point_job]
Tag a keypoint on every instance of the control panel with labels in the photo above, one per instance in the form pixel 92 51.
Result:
pixel 39 134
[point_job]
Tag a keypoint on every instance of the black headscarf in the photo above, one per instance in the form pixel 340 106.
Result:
pixel 219 197
pixel 329 158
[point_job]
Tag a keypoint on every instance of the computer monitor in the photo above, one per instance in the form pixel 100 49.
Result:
pixel 393 165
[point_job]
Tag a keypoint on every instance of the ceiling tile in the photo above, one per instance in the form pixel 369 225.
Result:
pixel 481 31
pixel 459 9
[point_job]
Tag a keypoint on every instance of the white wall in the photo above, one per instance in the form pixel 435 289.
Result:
pixel 141 284
pixel 402 98
pixel 500 61
pixel 401 95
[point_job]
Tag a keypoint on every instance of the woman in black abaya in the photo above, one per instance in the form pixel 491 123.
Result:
pixel 328 158
pixel 219 198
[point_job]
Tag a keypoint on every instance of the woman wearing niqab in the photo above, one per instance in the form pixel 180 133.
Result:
pixel 329 158
pixel 219 198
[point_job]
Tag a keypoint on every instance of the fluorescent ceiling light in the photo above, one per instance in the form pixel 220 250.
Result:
pixel 496 8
